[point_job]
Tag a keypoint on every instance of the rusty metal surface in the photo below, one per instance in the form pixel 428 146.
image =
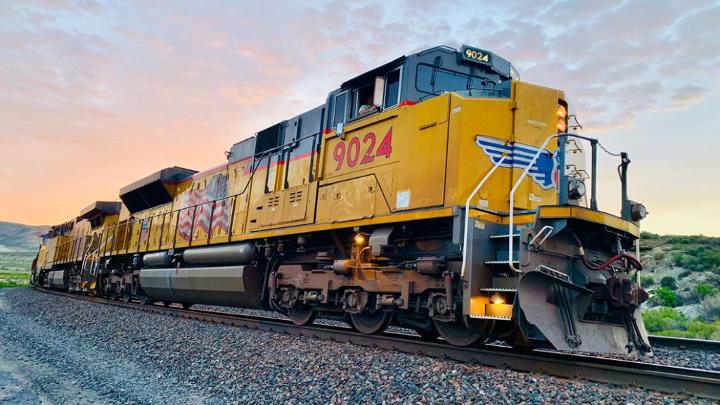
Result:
pixel 703 383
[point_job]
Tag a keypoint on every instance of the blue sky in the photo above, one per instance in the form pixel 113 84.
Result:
pixel 84 84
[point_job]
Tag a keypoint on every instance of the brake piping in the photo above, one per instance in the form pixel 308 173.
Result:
pixel 629 322
pixel 632 261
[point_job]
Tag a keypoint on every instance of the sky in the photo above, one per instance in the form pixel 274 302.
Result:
pixel 96 94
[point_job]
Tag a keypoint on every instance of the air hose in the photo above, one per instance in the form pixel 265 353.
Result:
pixel 632 261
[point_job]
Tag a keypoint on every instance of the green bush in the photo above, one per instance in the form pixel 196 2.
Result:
pixel 698 258
pixel 669 282
pixel 670 322
pixel 705 290
pixel 667 297
pixel 658 255
pixel 659 319
pixel 703 330
pixel 647 281
pixel 14 279
pixel 710 308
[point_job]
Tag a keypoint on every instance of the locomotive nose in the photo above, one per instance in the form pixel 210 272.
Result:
pixel 554 309
pixel 578 290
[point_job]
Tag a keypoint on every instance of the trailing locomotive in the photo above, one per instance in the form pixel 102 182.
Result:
pixel 437 191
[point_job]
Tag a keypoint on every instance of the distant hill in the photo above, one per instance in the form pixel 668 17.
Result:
pixel 694 263
pixel 20 238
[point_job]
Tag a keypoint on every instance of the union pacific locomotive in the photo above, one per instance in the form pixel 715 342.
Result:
pixel 437 192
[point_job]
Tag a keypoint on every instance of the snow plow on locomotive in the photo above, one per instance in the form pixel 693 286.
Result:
pixel 437 192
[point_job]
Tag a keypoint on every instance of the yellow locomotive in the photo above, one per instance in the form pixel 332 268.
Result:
pixel 437 192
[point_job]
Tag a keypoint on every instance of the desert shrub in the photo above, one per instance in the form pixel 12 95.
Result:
pixel 677 258
pixel 710 307
pixel 698 258
pixel 658 255
pixel 667 297
pixel 704 290
pixel 659 319
pixel 710 260
pixel 647 281
pixel 669 282
pixel 703 330
pixel 670 322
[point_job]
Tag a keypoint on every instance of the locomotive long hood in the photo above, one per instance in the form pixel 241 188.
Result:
pixel 155 189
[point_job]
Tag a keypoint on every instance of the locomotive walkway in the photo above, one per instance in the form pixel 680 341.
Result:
pixel 702 383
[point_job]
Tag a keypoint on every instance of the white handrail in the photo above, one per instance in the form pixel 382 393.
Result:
pixel 512 198
pixel 467 210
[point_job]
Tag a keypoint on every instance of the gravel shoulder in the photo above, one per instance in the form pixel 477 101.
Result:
pixel 669 357
pixel 61 350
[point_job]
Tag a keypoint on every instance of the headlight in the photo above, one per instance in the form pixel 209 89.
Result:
pixel 576 189
pixel 637 211
pixel 562 119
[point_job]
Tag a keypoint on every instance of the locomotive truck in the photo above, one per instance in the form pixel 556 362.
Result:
pixel 438 192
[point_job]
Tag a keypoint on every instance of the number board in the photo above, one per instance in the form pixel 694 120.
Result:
pixel 357 150
pixel 475 55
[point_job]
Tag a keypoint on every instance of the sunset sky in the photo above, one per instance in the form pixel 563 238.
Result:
pixel 96 94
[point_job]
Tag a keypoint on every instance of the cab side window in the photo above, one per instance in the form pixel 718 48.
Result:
pixel 340 107
pixel 392 88
pixel 362 96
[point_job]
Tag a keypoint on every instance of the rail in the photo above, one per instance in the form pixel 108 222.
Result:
pixel 704 383
pixel 466 230
pixel 711 346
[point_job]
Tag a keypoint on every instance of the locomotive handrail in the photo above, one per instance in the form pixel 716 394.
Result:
pixel 129 224
pixel 541 149
pixel 467 210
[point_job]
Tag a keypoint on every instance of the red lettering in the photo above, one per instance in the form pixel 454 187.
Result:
pixel 339 154
pixel 353 153
pixel 385 148
pixel 369 156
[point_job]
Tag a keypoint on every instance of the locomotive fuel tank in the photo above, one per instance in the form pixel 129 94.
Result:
pixel 56 279
pixel 240 286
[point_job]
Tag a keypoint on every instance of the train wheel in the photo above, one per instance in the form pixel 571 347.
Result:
pixel 457 334
pixel 370 323
pixel 145 300
pixel 302 315
pixel 166 303
pixel 186 306
pixel 430 333
pixel 126 296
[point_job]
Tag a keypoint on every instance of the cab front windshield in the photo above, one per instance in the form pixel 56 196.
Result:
pixel 434 80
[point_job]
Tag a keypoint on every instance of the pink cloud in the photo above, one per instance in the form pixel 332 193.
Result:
pixel 88 85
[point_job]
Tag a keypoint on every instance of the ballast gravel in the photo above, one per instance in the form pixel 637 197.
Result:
pixel 663 356
pixel 62 350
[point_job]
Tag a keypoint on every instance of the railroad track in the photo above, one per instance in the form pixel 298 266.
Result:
pixel 702 383
pixel 682 343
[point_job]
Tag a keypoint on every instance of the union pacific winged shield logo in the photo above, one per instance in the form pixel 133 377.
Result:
pixel 544 171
